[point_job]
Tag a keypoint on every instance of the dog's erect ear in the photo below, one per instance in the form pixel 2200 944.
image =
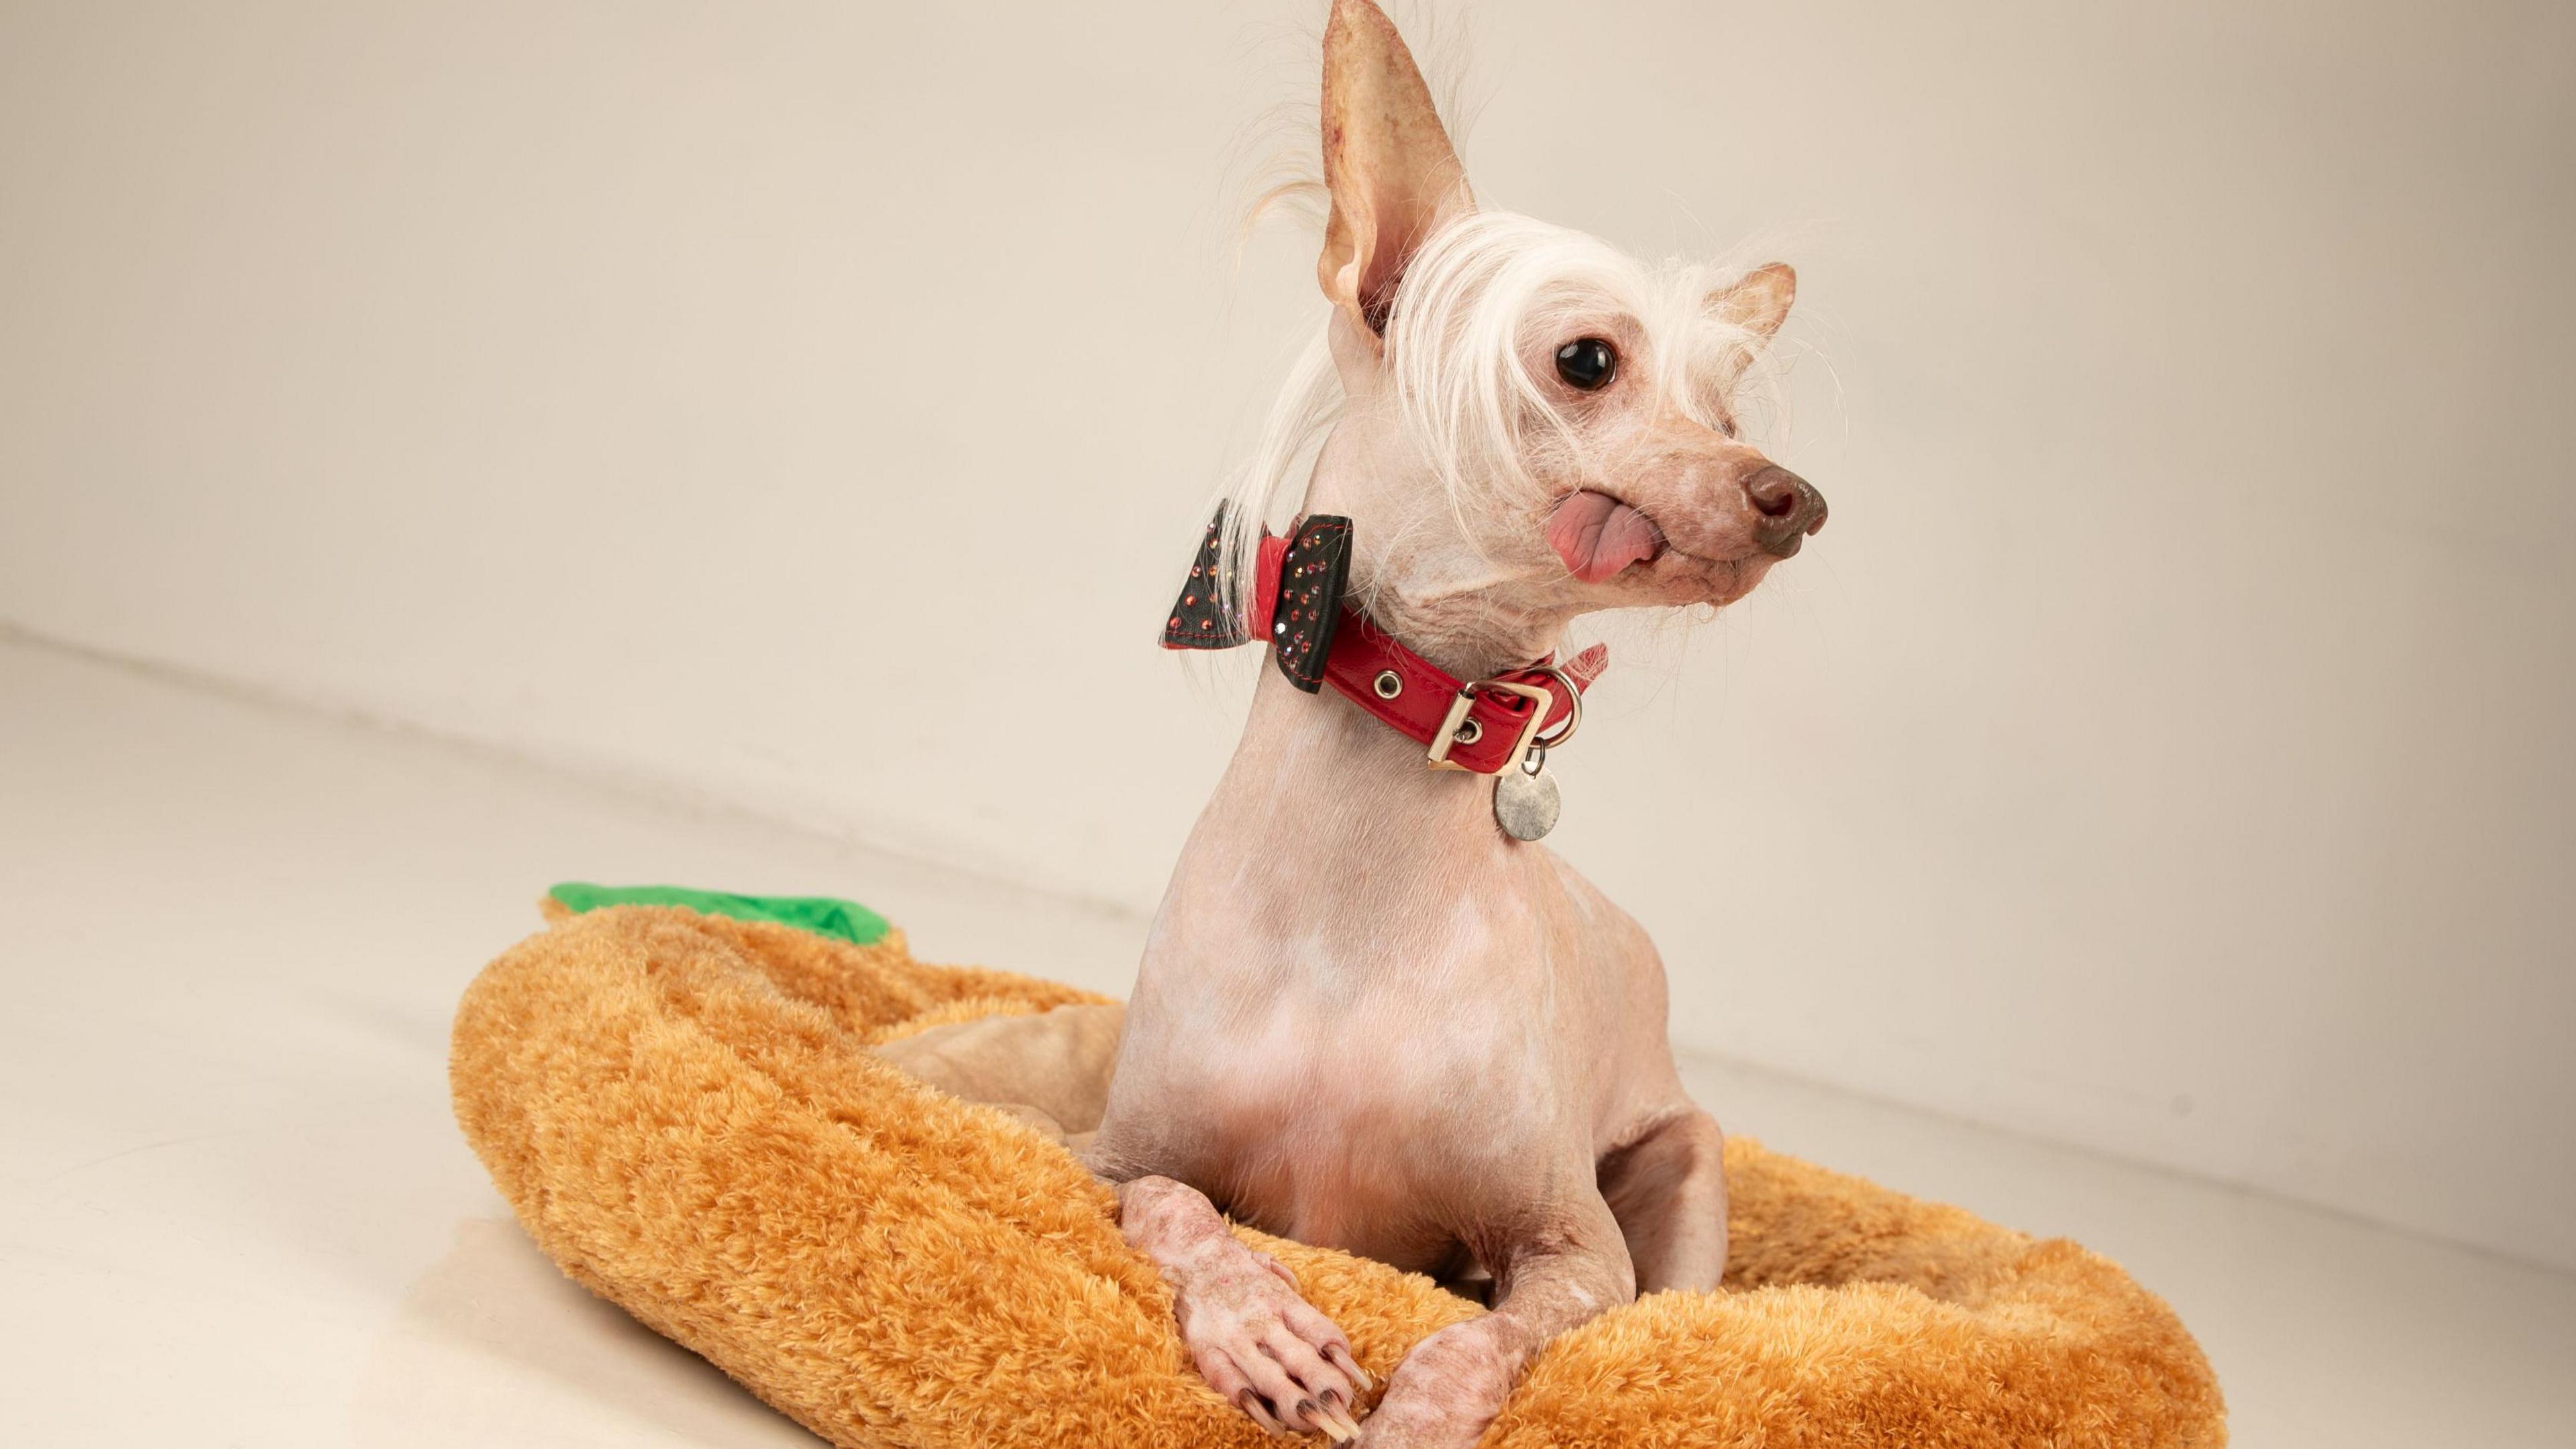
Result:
pixel 1393 175
pixel 1758 301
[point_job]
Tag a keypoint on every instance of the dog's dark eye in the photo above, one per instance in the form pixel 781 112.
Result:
pixel 1588 363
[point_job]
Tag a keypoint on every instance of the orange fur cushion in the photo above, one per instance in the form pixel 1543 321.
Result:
pixel 678 1108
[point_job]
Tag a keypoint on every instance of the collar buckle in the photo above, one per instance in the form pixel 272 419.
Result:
pixel 1458 729
pixel 1456 721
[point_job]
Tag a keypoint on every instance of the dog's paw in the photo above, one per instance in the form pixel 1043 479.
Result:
pixel 1260 1344
pixel 1444 1393
pixel 1253 1338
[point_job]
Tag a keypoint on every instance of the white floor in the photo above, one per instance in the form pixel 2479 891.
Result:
pixel 234 1210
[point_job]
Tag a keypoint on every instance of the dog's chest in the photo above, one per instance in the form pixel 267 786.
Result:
pixel 1354 1090
pixel 1363 1129
pixel 1384 1046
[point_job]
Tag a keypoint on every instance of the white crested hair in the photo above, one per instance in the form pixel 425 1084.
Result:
pixel 1477 301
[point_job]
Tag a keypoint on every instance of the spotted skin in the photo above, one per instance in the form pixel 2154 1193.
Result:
pixel 1250 1335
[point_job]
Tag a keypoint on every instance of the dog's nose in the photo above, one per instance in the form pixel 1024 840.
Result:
pixel 1789 506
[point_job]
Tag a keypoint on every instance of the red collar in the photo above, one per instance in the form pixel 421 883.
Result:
pixel 1487 725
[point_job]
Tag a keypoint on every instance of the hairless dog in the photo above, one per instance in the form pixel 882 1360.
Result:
pixel 1367 1017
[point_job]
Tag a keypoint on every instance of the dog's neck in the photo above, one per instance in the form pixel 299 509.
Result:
pixel 1473 642
pixel 1438 598
pixel 1316 767
pixel 1321 760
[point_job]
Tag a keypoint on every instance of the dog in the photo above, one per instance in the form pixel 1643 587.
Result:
pixel 1371 1014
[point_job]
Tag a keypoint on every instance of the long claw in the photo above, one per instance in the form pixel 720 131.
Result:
pixel 1340 1358
pixel 1258 1409
pixel 1338 1425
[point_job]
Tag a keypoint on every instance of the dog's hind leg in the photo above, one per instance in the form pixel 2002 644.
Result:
pixel 1050 1070
pixel 1668 1190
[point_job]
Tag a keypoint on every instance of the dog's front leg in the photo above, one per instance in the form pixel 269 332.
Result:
pixel 1253 1338
pixel 1546 1281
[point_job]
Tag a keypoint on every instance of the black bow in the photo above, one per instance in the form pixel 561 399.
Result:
pixel 1314 569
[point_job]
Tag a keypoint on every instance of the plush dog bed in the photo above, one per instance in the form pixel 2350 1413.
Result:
pixel 679 1108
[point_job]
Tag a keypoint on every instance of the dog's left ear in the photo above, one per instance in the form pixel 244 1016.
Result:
pixel 1393 175
pixel 1759 300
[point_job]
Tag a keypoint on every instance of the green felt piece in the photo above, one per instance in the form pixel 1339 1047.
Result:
pixel 842 920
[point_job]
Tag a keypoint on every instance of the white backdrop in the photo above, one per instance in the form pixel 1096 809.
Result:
pixel 2166 749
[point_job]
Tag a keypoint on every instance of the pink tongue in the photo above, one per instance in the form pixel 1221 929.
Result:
pixel 1597 535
